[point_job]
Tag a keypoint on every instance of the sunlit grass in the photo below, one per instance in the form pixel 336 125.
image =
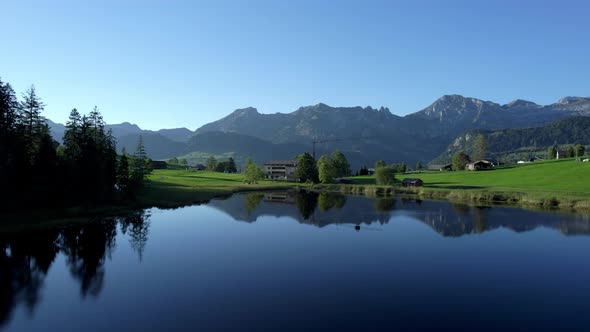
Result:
pixel 178 187
pixel 563 183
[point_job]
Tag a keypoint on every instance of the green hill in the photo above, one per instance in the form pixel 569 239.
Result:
pixel 510 145
pixel 558 183
pixel 564 176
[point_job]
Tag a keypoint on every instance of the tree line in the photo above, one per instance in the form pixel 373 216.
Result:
pixel 35 170
pixel 571 151
pixel 325 170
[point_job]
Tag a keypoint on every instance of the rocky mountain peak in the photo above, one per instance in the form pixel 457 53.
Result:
pixel 245 111
pixel 521 103
pixel 448 105
pixel 572 100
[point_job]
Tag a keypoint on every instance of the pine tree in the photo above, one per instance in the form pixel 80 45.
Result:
pixel 45 160
pixel 231 165
pixel 570 152
pixel 31 121
pixel 139 170
pixel 364 170
pixel 12 157
pixel 8 110
pixel 402 167
pixel 123 171
pixel 552 152
pixel 71 139
pixel 579 150
pixel 109 153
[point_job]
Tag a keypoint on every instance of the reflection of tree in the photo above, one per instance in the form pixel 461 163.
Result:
pixel 326 201
pixel 251 201
pixel 385 204
pixel 85 248
pixel 480 217
pixel 25 258
pixel 24 262
pixel 138 226
pixel 460 209
pixel 306 203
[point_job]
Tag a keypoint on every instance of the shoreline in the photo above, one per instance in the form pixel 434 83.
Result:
pixel 171 189
pixel 537 200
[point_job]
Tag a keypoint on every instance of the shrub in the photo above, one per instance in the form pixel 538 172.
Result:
pixel 385 176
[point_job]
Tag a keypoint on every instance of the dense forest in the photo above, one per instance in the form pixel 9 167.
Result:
pixel 37 171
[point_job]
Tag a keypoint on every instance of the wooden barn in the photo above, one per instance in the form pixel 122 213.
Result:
pixel 412 182
pixel 480 165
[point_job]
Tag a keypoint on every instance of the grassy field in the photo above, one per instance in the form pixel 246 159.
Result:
pixel 558 183
pixel 563 182
pixel 171 188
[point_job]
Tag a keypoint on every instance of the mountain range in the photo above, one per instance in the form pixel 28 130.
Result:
pixel 363 134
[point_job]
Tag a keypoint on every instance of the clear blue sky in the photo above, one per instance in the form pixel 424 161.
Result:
pixel 166 64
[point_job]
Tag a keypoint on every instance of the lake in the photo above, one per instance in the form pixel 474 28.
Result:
pixel 302 261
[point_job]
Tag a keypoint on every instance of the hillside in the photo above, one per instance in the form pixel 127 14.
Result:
pixel 156 145
pixel 242 146
pixel 503 142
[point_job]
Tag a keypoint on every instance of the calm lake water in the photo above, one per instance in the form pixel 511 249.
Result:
pixel 298 262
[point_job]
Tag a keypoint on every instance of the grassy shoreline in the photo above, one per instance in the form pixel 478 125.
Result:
pixel 545 200
pixel 561 184
pixel 555 184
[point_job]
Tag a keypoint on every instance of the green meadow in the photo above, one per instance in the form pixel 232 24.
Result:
pixel 176 187
pixel 556 183
pixel 562 183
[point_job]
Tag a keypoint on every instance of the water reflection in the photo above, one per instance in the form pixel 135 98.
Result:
pixel 24 262
pixel 25 257
pixel 447 219
pixel 138 225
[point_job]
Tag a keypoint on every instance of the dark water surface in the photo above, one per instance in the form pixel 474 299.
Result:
pixel 280 262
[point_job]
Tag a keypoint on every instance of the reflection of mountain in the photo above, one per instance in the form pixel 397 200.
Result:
pixel 445 218
pixel 25 258
pixel 458 219
pixel 305 207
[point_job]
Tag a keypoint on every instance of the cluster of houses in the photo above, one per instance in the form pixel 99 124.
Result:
pixel 479 165
pixel 284 170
